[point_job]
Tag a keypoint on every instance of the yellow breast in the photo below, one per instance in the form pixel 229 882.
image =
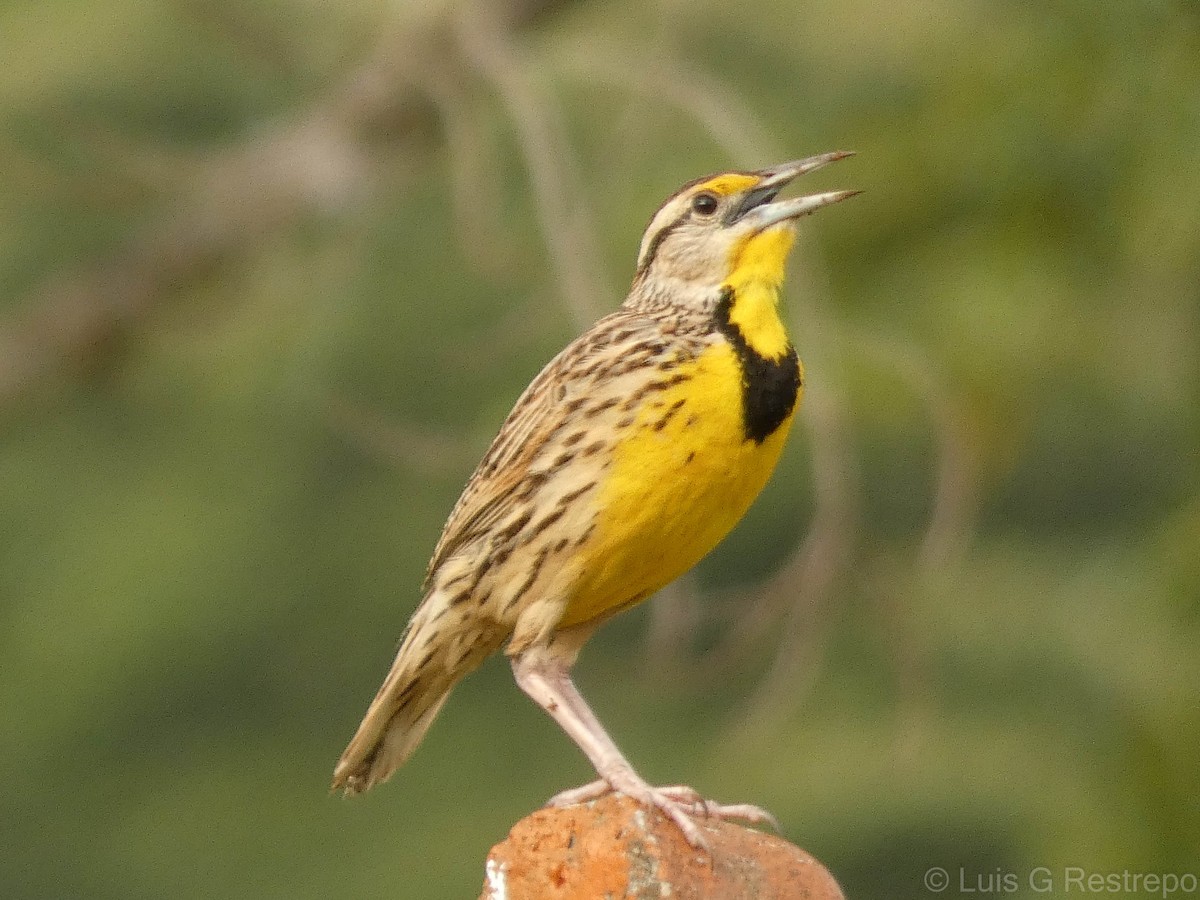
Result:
pixel 679 481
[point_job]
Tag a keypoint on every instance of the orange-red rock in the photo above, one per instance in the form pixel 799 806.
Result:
pixel 614 848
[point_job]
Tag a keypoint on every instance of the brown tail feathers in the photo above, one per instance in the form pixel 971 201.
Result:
pixel 437 651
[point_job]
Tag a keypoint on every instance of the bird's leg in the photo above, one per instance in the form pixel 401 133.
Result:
pixel 547 681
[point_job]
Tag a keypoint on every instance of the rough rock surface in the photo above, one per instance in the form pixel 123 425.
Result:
pixel 614 848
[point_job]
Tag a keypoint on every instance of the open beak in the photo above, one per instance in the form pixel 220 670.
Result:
pixel 757 207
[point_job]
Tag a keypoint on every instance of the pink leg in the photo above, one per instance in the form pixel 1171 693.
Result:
pixel 547 681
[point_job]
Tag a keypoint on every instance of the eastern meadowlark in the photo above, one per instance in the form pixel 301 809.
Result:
pixel 624 462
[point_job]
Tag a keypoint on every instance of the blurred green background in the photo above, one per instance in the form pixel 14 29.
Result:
pixel 273 273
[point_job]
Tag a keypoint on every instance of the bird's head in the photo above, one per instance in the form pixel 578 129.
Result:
pixel 718 225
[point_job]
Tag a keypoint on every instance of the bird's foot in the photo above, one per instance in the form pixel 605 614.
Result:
pixel 593 790
pixel 681 804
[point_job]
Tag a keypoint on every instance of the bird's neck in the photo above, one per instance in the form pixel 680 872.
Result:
pixel 751 291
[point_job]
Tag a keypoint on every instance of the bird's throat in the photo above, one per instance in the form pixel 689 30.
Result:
pixel 755 276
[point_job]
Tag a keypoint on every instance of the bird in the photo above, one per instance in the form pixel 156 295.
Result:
pixel 624 462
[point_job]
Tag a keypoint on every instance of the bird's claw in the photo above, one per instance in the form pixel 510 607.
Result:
pixel 680 803
pixel 724 812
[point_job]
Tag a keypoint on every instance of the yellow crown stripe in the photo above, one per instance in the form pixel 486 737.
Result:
pixel 731 183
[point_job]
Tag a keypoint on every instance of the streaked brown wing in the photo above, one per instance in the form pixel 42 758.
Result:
pixel 544 407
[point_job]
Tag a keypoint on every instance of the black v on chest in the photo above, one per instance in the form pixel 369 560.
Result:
pixel 769 385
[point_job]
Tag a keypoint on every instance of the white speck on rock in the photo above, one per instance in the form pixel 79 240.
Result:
pixel 497 880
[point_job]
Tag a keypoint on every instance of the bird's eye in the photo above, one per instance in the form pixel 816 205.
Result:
pixel 704 204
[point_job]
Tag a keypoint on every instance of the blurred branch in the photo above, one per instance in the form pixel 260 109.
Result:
pixel 956 496
pixel 406 445
pixel 944 544
pixel 236 24
pixel 720 110
pixel 520 328
pixel 560 201
pixel 473 171
pixel 796 601
pixel 245 195
pixel 675 618
pixel 320 160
